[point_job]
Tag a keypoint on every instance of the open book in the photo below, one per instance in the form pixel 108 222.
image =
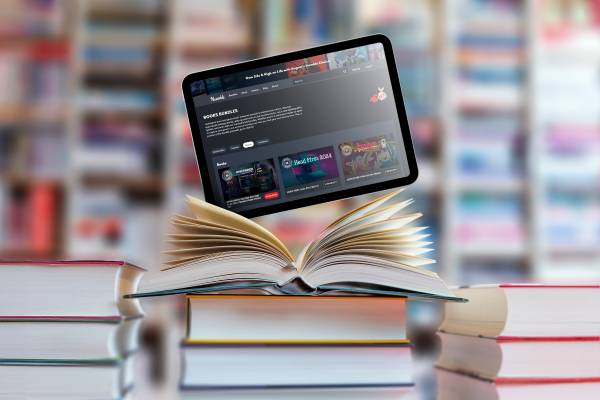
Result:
pixel 371 250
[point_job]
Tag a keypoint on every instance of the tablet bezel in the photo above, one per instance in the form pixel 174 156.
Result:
pixel 282 58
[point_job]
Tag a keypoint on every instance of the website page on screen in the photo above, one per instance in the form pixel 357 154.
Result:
pixel 299 129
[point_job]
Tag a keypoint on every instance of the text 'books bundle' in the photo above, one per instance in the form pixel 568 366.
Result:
pixel 370 250
pixel 66 331
pixel 521 342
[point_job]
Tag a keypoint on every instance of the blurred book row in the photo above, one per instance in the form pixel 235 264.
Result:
pixel 502 98
pixel 520 342
pixel 72 335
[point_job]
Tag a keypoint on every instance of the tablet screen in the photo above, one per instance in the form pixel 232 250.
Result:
pixel 280 133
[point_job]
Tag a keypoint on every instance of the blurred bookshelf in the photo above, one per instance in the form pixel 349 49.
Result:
pixel 35 53
pixel 486 139
pixel 121 129
pixel 566 125
pixel 502 97
pixel 202 35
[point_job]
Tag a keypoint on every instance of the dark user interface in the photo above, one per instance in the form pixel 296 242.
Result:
pixel 299 129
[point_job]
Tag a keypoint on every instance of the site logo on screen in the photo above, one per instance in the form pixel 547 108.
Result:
pixel 381 95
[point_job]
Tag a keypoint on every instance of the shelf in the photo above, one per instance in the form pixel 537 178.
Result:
pixel 145 184
pixel 120 77
pixel 490 107
pixel 28 114
pixel 28 40
pixel 581 251
pixel 117 70
pixel 491 252
pixel 8 255
pixel 488 184
pixel 25 180
pixel 568 54
pixel 124 15
pixel 118 40
pixel 192 50
pixel 124 114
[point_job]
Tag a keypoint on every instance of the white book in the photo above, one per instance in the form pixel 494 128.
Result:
pixel 81 380
pixel 68 339
pixel 287 366
pixel 48 289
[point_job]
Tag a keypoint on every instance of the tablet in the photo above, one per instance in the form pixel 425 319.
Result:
pixel 301 128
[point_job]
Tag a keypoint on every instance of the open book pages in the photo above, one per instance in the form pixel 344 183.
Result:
pixel 373 249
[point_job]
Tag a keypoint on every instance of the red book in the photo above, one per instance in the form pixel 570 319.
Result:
pixel 49 50
pixel 516 360
pixel 43 222
pixel 456 386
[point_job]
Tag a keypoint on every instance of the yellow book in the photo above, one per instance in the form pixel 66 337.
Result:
pixel 282 320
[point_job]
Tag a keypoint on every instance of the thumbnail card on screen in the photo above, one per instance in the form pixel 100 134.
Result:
pixel 249 182
pixel 367 158
pixel 309 170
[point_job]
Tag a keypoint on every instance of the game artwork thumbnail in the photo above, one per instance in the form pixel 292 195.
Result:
pixel 308 167
pixel 368 157
pixel 249 182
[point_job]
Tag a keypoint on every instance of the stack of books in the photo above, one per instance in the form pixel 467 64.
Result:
pixel 331 318
pixel 65 330
pixel 279 347
pixel 521 342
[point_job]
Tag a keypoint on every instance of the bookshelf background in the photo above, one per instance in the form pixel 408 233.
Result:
pixel 503 98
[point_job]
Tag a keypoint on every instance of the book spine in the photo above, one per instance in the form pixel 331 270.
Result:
pixel 390 385
pixel 548 339
pixel 299 342
pixel 188 322
pixel 61 318
pixel 296 344
pixel 525 286
pixel 43 210
pixel 532 381
pixel 64 262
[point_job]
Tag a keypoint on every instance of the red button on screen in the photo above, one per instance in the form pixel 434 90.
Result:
pixel 271 195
